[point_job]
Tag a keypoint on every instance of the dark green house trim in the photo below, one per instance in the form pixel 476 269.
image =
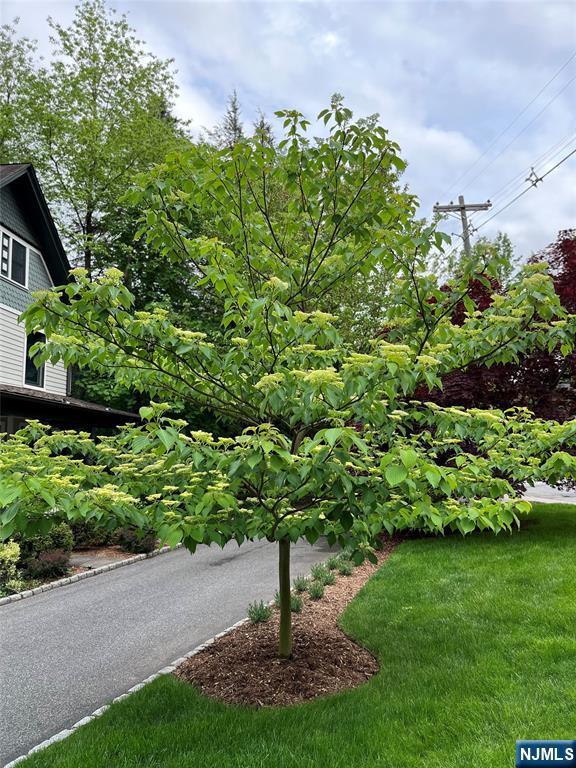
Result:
pixel 24 211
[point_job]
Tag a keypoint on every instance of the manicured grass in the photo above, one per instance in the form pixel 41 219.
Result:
pixel 476 639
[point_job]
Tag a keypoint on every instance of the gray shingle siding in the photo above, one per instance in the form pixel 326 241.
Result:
pixel 18 297
pixel 13 218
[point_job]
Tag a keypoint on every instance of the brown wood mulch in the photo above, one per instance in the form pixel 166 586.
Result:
pixel 243 667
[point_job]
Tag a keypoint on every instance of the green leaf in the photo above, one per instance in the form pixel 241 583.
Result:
pixel 174 537
pixel 332 435
pixel 395 474
pixel 409 457
pixel 433 476
pixel 7 494
pixel 523 506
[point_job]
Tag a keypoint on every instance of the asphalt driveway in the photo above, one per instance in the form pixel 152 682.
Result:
pixel 66 652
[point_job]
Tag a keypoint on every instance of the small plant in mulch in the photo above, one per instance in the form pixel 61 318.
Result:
pixel 316 590
pixel 296 602
pixel 333 562
pixel 321 573
pixel 259 612
pixel 346 568
pixel 243 667
pixel 300 583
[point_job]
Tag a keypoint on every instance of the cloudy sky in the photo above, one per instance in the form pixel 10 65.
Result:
pixel 459 84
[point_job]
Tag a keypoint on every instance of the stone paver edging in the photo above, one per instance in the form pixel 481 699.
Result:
pixel 98 712
pixel 85 575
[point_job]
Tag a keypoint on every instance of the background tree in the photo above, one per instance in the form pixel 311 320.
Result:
pixel 543 380
pixel 263 130
pixel 230 130
pixel 17 73
pixel 334 442
pixel 93 116
pixel 96 114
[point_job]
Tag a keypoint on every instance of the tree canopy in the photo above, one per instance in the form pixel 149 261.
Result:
pixel 335 442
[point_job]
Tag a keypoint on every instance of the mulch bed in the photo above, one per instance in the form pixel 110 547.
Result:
pixel 243 667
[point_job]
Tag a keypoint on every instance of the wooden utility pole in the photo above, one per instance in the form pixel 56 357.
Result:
pixel 462 208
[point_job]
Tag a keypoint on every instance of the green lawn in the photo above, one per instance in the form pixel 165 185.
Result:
pixel 477 644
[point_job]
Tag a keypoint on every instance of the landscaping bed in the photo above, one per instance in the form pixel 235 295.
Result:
pixel 243 667
pixel 28 563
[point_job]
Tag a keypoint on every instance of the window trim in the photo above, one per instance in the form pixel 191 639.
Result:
pixel 24 382
pixel 11 236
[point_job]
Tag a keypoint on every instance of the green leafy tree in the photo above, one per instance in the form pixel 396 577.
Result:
pixel 333 442
pixel 96 114
pixel 16 78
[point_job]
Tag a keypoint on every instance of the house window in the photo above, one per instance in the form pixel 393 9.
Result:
pixel 5 255
pixel 33 376
pixel 13 259
pixel 18 267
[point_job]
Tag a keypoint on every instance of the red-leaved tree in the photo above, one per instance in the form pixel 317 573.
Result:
pixel 544 382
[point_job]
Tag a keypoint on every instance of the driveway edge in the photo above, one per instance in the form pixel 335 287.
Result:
pixel 85 575
pixel 100 711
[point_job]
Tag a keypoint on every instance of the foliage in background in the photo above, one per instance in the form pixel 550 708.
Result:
pixel 17 77
pixel 231 130
pixel 10 577
pixel 543 380
pixel 335 442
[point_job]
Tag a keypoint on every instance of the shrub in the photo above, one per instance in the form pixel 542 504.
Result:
pixel 91 533
pixel 321 573
pixel 259 612
pixel 296 602
pixel 47 565
pixel 300 583
pixel 137 542
pixel 59 537
pixel 9 576
pixel 346 568
pixel 316 590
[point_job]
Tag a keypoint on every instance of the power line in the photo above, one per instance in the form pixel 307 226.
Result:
pixel 533 183
pixel 550 153
pixel 506 146
pixel 547 156
pixel 514 121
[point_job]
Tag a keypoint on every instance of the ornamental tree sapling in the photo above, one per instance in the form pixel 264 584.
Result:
pixel 333 444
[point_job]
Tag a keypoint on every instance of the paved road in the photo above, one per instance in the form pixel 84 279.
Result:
pixel 66 652
pixel 547 493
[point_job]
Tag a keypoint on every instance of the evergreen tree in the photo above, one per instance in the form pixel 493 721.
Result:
pixel 231 130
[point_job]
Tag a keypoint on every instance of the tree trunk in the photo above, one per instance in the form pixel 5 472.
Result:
pixel 285 640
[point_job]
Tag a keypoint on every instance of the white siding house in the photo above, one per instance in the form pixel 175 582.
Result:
pixel 32 258
pixel 16 286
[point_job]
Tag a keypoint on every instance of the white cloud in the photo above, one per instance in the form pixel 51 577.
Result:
pixel 446 77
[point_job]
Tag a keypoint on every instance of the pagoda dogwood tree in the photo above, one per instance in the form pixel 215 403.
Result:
pixel 333 442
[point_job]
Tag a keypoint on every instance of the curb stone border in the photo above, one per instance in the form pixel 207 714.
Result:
pixel 85 575
pixel 164 671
